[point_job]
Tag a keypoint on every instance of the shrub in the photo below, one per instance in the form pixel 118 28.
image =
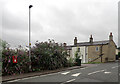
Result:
pixel 44 56
pixel 49 55
pixel 10 68
pixel 77 57
pixel 70 62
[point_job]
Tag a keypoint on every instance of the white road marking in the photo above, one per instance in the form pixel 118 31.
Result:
pixel 114 67
pixel 77 74
pixel 107 72
pixel 65 73
pixel 95 72
pixel 102 70
pixel 70 80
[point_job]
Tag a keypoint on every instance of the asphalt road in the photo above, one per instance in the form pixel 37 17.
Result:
pixel 106 72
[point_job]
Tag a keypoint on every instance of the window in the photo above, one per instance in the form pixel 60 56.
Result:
pixel 89 59
pixel 97 48
pixel 78 49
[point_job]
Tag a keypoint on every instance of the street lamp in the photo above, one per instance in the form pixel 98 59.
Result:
pixel 30 6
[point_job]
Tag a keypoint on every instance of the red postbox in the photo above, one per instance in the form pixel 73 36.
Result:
pixel 14 59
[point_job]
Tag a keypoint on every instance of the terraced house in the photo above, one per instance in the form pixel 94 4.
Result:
pixel 93 51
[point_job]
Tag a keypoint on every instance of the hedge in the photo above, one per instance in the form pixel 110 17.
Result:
pixel 44 56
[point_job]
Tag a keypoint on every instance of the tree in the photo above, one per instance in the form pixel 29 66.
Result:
pixel 49 55
pixel 3 44
pixel 77 56
pixel 44 56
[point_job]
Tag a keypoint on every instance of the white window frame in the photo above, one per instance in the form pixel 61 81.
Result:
pixel 78 49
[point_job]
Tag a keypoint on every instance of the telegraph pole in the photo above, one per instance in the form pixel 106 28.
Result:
pixel 101 52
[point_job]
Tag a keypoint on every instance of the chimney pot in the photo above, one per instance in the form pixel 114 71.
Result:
pixel 75 41
pixel 91 39
pixel 110 36
pixel 64 44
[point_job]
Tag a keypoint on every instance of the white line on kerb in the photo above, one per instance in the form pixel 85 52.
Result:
pixel 23 79
pixel 95 72
pixel 70 80
pixel 14 80
pixel 33 77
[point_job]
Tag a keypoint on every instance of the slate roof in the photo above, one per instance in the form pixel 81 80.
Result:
pixel 94 43
pixel 88 44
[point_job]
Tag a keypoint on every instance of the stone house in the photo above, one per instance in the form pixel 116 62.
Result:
pixel 94 51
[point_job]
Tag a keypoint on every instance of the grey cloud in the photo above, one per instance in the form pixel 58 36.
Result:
pixel 65 22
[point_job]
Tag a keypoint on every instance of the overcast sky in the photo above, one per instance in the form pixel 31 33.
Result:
pixel 61 20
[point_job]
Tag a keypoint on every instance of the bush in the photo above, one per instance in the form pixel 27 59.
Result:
pixel 70 62
pixel 49 55
pixel 10 68
pixel 77 58
pixel 44 56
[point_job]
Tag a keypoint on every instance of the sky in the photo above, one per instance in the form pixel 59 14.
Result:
pixel 61 20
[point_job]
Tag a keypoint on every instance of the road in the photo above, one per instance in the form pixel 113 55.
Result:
pixel 105 72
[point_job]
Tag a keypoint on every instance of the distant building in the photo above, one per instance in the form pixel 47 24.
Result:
pixel 117 50
pixel 94 51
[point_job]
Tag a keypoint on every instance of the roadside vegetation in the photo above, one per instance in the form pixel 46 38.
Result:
pixel 77 57
pixel 44 56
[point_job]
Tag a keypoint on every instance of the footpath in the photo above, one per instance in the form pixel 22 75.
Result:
pixel 31 74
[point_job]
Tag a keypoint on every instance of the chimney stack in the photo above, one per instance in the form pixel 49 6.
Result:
pixel 110 36
pixel 75 41
pixel 64 44
pixel 91 39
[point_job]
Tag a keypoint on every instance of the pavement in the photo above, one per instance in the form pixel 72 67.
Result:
pixel 104 72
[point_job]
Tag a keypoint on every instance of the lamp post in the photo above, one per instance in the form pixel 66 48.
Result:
pixel 30 6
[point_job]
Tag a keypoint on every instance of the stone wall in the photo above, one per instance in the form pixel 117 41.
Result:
pixel 111 51
pixel 93 53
